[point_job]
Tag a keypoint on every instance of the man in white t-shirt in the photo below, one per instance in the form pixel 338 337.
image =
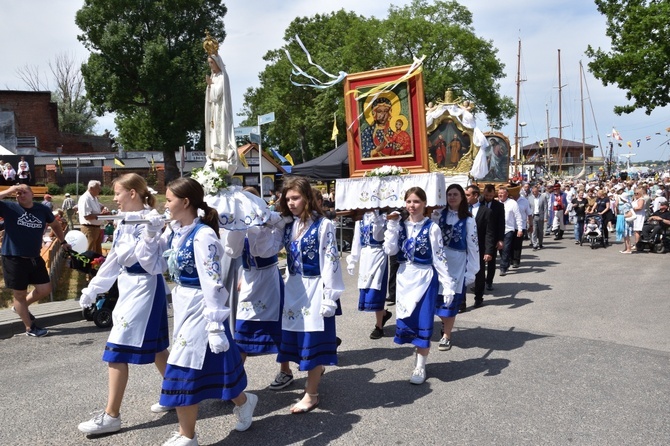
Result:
pixel 89 209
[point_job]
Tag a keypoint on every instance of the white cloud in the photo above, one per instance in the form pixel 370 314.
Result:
pixel 35 31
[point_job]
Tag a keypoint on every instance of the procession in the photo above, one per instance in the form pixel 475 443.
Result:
pixel 452 287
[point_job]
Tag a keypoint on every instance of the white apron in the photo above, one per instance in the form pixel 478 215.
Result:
pixel 131 313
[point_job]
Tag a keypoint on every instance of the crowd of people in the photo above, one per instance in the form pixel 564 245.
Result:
pixel 425 263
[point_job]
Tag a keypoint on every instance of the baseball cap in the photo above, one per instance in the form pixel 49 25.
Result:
pixel 67 195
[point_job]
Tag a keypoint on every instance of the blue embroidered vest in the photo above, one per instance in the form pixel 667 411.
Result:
pixel 454 237
pixel 366 238
pixel 417 249
pixel 249 261
pixel 187 272
pixel 308 254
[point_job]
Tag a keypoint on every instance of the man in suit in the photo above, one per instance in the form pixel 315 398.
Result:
pixel 498 222
pixel 538 208
pixel 487 241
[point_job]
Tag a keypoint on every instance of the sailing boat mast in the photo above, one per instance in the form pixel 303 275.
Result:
pixel 560 118
pixel 581 94
pixel 516 127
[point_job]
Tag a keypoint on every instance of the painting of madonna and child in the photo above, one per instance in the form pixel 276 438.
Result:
pixel 386 130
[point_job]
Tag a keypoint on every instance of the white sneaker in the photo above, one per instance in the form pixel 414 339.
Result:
pixel 159 408
pixel 418 376
pixel 101 424
pixel 179 440
pixel 245 413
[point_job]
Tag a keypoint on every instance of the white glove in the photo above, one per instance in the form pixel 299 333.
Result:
pixel 350 269
pixel 155 225
pixel 448 297
pixel 87 298
pixel 328 308
pixel 469 280
pixel 218 342
pixel 435 215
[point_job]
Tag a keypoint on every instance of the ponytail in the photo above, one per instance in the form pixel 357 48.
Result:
pixel 211 217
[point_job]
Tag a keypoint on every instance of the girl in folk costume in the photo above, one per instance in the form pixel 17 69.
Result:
pixel 313 287
pixel 140 331
pixel 417 241
pixel 204 361
pixel 461 249
pixel 261 291
pixel 367 247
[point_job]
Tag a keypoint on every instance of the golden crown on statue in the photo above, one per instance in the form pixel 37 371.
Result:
pixel 211 45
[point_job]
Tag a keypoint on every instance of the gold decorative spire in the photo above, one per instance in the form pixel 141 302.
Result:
pixel 211 45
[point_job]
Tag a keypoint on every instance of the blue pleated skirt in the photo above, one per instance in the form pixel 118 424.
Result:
pixel 260 337
pixel 156 336
pixel 370 299
pixel 417 329
pixel 222 377
pixel 310 349
pixel 450 310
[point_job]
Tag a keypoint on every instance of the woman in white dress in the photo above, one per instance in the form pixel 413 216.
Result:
pixel 204 361
pixel 140 331
pixel 312 290
pixel 367 250
pixel 417 242
pixel 461 248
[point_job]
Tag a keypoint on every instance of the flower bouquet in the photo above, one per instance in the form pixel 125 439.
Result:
pixel 386 171
pixel 212 181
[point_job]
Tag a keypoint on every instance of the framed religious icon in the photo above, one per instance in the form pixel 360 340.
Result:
pixel 451 146
pixel 497 157
pixel 386 120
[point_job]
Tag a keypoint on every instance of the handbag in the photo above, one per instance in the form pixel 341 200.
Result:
pixel 629 216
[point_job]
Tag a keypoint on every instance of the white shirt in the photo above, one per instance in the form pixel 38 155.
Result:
pixel 88 205
pixel 513 218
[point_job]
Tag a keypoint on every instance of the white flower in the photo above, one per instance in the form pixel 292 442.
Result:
pixel 384 171
pixel 210 181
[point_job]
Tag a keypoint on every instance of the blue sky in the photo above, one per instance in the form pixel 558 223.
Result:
pixel 35 31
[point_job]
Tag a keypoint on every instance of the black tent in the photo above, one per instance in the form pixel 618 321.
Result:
pixel 329 166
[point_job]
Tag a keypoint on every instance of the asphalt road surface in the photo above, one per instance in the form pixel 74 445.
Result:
pixel 571 348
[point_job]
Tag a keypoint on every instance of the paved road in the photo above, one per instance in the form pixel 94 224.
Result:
pixel 571 348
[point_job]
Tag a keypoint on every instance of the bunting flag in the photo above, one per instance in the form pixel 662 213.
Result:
pixel 648 138
pixel 638 142
pixel 289 158
pixel 629 144
pixel 335 132
pixel 59 163
pixel 616 135
pixel 153 164
pixel 118 162
pixel 243 159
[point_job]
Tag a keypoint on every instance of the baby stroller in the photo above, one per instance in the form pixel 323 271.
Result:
pixel 100 312
pixel 592 236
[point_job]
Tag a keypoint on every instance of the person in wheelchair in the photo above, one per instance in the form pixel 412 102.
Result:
pixel 657 222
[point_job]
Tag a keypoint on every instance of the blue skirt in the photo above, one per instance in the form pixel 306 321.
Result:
pixel 222 377
pixel 417 329
pixel 260 337
pixel 310 349
pixel 451 310
pixel 370 299
pixel 156 336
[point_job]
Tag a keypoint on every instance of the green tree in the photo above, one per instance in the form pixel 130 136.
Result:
pixel 147 65
pixel 455 57
pixel 442 31
pixel 640 55
pixel 303 116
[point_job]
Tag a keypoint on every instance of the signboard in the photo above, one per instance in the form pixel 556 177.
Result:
pixel 266 119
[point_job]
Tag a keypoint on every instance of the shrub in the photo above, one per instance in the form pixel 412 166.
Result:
pixel 54 189
pixel 72 189
pixel 106 190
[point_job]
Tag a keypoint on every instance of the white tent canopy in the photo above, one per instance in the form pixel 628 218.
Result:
pixel 5 151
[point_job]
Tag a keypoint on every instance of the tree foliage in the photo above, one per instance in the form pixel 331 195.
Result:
pixel 147 65
pixel 74 110
pixel 640 52
pixel 456 58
